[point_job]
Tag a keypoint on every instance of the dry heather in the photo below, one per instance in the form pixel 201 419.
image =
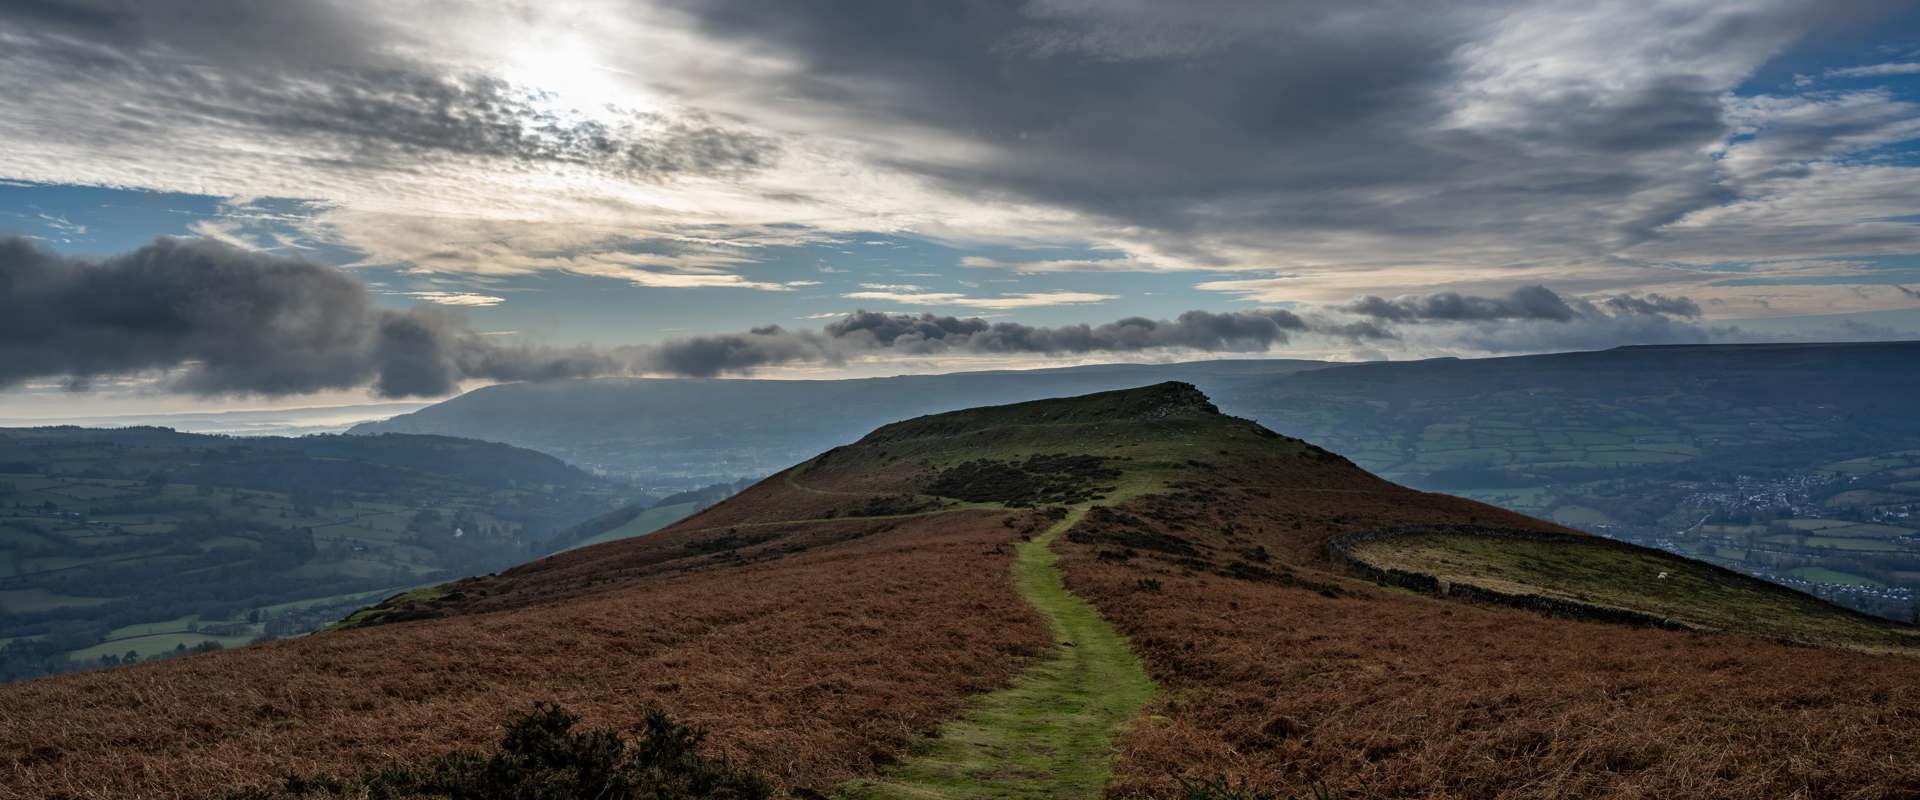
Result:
pixel 808 671
pixel 1378 693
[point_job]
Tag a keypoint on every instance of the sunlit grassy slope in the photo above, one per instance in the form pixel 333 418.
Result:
pixel 1606 574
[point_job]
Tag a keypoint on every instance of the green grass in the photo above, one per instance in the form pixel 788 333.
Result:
pixel 1859 544
pixel 651 520
pixel 1051 733
pixel 1824 575
pixel 377 613
pixel 21 601
pixel 150 646
pixel 1611 575
pixel 1816 524
pixel 351 598
pixel 177 625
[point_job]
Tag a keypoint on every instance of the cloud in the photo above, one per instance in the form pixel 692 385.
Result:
pixel 216 319
pixel 915 296
pixel 686 280
pixel 469 299
pixel 866 333
pixel 205 317
pixel 1122 264
pixel 210 318
pixel 1422 145
pixel 1653 303
pixel 1535 319
pixel 1876 70
pixel 359 103
pixel 1531 302
pixel 63 226
pixel 1527 303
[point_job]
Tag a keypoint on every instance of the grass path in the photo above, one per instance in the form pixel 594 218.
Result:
pixel 1048 735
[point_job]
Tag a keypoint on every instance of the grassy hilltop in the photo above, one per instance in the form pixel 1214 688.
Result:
pixel 1123 594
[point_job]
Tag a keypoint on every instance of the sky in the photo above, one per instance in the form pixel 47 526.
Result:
pixel 226 204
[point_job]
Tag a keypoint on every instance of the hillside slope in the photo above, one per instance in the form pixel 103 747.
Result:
pixel 126 544
pixel 1792 462
pixel 987 601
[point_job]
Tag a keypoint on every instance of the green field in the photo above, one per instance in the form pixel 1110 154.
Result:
pixel 1824 575
pixel 155 645
pixel 21 601
pixel 1609 575
pixel 651 520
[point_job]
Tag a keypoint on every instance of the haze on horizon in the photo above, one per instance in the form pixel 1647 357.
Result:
pixel 241 205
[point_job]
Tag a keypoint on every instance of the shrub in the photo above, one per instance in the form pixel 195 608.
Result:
pixel 543 756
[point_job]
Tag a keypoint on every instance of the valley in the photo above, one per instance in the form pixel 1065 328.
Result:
pixel 125 545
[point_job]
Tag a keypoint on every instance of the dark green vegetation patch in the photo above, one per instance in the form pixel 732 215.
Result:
pixel 1039 480
pixel 543 756
pixel 1105 525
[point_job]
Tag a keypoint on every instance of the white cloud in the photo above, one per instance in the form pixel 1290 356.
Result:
pixel 1022 300
pixel 468 299
pixel 1117 264
pixel 1876 70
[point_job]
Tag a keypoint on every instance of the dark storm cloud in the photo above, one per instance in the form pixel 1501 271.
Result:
pixel 1653 303
pixel 1535 319
pixel 867 332
pixel 1239 122
pixel 1123 110
pixel 1530 302
pixel 1527 303
pixel 223 320
pixel 313 74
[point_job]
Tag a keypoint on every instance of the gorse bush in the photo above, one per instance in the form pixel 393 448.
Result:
pixel 542 757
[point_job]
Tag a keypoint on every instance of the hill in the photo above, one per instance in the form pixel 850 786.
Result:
pixel 1799 463
pixel 1113 593
pixel 134 543
pixel 678 433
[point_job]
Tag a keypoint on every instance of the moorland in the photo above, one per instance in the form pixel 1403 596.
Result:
pixel 1220 610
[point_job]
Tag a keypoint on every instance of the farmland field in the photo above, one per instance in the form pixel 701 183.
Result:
pixel 150 542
